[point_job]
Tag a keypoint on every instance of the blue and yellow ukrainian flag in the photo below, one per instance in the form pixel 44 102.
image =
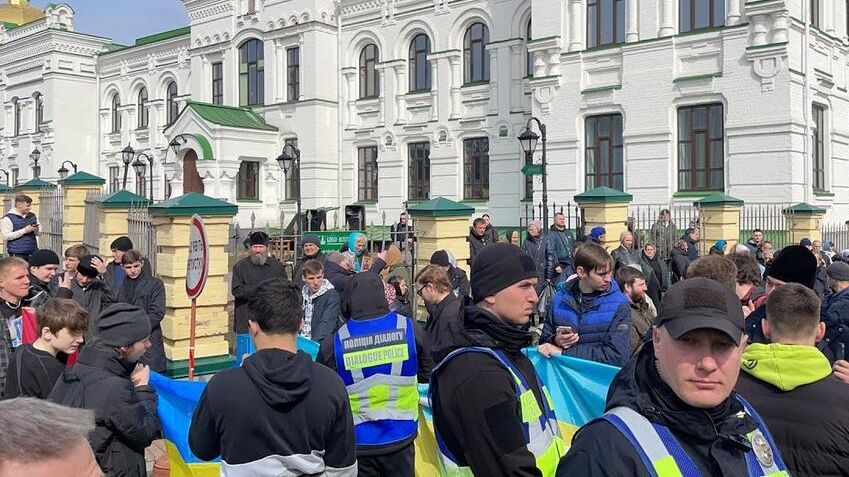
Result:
pixel 577 387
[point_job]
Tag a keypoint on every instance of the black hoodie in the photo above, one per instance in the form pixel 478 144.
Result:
pixel 364 299
pixel 715 439
pixel 279 411
pixel 474 398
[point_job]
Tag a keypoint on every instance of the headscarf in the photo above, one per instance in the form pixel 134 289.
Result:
pixel 352 243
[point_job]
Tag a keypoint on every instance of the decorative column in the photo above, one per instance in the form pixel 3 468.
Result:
pixel 608 208
pixel 114 209
pixel 171 220
pixel 75 189
pixel 719 215
pixel 456 84
pixel 280 92
pixel 493 78
pixel 434 88
pixel 350 80
pixel 381 116
pixel 400 97
pixel 632 33
pixel 667 18
pixel 576 30
pixel 805 222
pixel 828 16
pixel 733 16
pixel 33 188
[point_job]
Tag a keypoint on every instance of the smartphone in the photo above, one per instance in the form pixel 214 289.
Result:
pixel 564 330
pixel 840 354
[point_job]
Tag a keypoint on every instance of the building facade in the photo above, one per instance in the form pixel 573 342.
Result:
pixel 396 101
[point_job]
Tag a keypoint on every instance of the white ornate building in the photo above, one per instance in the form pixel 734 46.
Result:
pixel 394 101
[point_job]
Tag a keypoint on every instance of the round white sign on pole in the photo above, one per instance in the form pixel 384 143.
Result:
pixel 197 267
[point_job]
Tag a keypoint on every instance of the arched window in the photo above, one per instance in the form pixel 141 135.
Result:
pixel 475 56
pixel 251 73
pixel 419 64
pixel 369 80
pixel 172 107
pixel 39 110
pixel 116 115
pixel 16 107
pixel 528 38
pixel 144 115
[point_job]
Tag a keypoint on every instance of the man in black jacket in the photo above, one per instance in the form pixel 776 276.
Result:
pixel 680 385
pixel 537 246
pixel 249 272
pixel 112 273
pixel 148 293
pixel 311 247
pixel 108 379
pixel 43 265
pixel 477 239
pixel 789 381
pixel 459 281
pixel 84 287
pixel 379 355
pixel 247 414
pixel 444 308
pixel 484 387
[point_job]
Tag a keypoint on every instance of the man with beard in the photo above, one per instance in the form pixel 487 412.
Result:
pixel 672 409
pixel 311 246
pixel 632 282
pixel 248 273
pixel 108 379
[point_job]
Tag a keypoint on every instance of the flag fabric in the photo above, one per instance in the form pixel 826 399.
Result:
pixel 578 389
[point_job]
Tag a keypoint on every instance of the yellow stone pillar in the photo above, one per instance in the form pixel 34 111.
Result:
pixel 172 219
pixel 719 216
pixel 75 189
pixel 608 208
pixel 805 222
pixel 114 209
pixel 33 188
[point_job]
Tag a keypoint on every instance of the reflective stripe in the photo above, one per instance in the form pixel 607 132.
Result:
pixel 371 398
pixel 345 333
pixel 649 440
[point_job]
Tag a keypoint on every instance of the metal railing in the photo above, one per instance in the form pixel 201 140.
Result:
pixel 836 236
pixel 91 226
pixel 644 216
pixel 51 219
pixel 770 219
pixel 141 232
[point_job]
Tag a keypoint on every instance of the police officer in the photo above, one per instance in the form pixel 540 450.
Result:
pixel 491 413
pixel 380 356
pixel 672 409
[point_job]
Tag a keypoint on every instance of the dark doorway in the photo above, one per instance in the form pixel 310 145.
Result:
pixel 192 181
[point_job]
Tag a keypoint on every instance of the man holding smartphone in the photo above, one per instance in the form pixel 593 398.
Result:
pixel 20 228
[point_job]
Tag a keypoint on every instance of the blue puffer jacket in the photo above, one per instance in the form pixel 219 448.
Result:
pixel 602 320
pixel 835 315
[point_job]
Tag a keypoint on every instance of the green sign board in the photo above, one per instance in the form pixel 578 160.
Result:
pixel 532 170
pixel 332 240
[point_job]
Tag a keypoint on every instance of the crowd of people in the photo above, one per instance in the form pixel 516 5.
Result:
pixel 681 327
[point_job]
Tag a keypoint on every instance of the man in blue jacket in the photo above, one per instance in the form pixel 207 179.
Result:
pixel 589 318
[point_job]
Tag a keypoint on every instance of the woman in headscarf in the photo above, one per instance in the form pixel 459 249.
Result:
pixel 358 250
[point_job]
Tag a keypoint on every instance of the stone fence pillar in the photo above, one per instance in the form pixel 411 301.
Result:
pixel 114 209
pixel 172 220
pixel 719 215
pixel 441 224
pixel 805 221
pixel 75 189
pixel 608 208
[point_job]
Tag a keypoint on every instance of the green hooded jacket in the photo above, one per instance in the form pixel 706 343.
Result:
pixel 785 366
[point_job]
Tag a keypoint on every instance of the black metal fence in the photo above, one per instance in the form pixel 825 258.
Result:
pixel 141 232
pixel 770 219
pixel 572 212
pixel 51 219
pixel 91 226
pixel 835 235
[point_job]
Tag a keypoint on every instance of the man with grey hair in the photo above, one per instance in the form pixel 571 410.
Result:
pixel 41 439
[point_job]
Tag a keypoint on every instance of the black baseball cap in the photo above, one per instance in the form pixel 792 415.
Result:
pixel 698 303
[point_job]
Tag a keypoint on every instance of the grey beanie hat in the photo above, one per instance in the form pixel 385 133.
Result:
pixel 122 325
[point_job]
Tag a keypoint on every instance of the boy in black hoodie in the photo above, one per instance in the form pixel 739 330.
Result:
pixel 247 415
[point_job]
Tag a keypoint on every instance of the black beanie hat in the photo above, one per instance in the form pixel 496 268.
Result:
pixel 256 238
pixel 499 266
pixel 364 297
pixel 795 264
pixel 43 257
pixel 85 268
pixel 122 325
pixel 123 244
pixel 440 257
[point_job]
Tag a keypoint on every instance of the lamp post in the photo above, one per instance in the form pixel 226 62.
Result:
pixel 5 173
pixel 290 156
pixel 63 172
pixel 528 139
pixel 127 155
pixel 175 144
pixel 140 166
pixel 35 155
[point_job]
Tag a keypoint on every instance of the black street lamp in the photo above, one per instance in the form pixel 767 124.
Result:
pixel 35 155
pixel 175 145
pixel 178 141
pixel 63 172
pixel 127 155
pixel 290 156
pixel 5 173
pixel 528 139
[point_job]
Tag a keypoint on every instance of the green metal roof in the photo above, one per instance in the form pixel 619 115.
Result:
pixel 4 189
pixel 82 178
pixel 804 209
pixel 193 203
pixel 35 184
pixel 123 199
pixel 603 194
pixel 718 198
pixel 440 207
pixel 205 147
pixel 229 116
pixel 165 35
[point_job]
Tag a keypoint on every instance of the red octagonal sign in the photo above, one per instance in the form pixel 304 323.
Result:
pixel 197 267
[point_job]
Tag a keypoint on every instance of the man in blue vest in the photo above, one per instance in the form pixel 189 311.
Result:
pixel 380 356
pixel 491 413
pixel 20 228
pixel 672 410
